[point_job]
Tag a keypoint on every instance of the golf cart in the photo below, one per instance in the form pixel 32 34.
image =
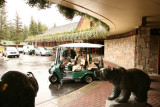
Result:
pixel 80 68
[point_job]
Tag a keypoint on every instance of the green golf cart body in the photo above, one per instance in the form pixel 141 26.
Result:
pixel 78 72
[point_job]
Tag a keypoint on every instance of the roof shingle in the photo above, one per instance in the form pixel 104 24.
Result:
pixel 63 28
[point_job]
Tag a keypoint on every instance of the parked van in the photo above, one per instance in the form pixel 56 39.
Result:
pixel 29 49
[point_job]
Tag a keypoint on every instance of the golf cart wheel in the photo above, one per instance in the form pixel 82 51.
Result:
pixel 88 79
pixel 50 72
pixel 53 78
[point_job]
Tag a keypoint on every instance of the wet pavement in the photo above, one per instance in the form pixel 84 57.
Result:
pixel 39 66
pixel 69 94
pixel 96 93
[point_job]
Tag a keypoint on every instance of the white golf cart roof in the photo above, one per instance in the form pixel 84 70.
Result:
pixel 81 45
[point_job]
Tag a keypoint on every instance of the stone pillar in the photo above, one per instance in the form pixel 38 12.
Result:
pixel 146 50
pixel 142 48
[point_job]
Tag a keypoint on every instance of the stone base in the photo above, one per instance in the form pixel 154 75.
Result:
pixel 131 103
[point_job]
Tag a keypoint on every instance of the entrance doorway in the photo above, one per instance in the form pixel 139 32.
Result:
pixel 99 51
pixel 158 69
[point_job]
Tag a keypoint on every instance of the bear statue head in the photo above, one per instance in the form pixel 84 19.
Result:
pixel 103 74
pixel 110 74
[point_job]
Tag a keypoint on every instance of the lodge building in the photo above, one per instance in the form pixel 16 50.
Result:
pixel 138 48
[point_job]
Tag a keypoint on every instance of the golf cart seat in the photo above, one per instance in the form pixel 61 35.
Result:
pixel 72 63
pixel 91 67
pixel 70 66
pixel 98 62
pixel 65 61
pixel 76 68
pixel 82 62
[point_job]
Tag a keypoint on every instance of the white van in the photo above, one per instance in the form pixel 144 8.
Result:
pixel 29 49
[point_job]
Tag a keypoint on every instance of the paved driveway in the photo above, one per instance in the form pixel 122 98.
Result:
pixel 39 65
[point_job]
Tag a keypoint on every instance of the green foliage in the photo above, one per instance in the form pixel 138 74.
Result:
pixel 44 28
pixel 42 4
pixel 95 32
pixel 39 27
pixel 25 33
pixel 67 12
pixel 15 31
pixel 2 3
pixel 3 23
pixel 70 13
pixel 33 29
pixel 36 29
pixel 11 31
pixel 18 29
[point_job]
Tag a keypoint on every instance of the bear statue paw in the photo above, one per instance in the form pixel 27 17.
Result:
pixel 111 98
pixel 120 100
pixel 141 100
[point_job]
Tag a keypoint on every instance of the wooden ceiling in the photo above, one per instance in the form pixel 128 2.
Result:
pixel 121 15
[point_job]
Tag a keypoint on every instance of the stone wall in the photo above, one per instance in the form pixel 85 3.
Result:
pixel 120 51
pixel 139 50
pixel 147 50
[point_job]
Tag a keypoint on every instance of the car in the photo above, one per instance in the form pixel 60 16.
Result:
pixel 77 67
pixel 29 49
pixel 51 51
pixel 10 51
pixel 42 51
pixel 20 49
pixel 0 53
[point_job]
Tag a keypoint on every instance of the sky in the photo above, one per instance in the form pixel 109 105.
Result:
pixel 47 16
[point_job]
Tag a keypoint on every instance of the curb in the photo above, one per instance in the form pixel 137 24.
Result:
pixel 61 101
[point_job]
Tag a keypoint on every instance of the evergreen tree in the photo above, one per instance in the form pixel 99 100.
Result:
pixel 36 29
pixel 25 32
pixel 11 31
pixel 18 29
pixel 3 24
pixel 44 28
pixel 39 27
pixel 33 29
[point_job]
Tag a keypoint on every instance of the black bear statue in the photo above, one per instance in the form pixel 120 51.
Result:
pixel 125 82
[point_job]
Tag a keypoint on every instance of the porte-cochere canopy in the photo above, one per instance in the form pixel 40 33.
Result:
pixel 121 15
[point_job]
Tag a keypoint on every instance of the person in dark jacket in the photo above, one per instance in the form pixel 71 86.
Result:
pixel 69 53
